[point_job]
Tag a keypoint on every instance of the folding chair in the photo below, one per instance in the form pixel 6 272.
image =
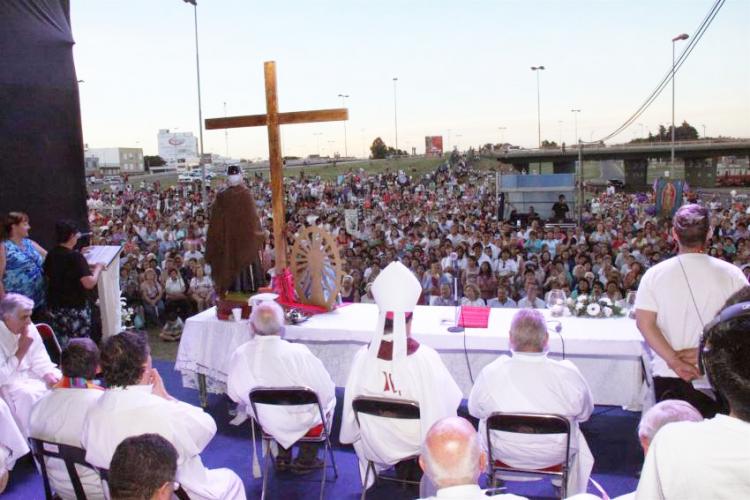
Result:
pixel 180 493
pixel 401 409
pixel 50 342
pixel 294 396
pixel 529 423
pixel 71 455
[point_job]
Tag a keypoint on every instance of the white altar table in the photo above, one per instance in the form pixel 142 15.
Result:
pixel 609 352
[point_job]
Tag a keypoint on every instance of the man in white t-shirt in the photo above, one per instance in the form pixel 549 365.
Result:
pixel 711 458
pixel 675 299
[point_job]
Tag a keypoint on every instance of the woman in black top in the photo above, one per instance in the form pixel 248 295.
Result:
pixel 68 278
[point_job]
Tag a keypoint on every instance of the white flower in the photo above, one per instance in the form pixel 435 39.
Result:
pixel 605 301
pixel 607 311
pixel 583 298
pixel 579 306
pixel 559 302
pixel 593 309
pixel 570 301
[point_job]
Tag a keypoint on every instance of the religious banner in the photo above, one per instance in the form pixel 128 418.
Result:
pixel 351 220
pixel 668 195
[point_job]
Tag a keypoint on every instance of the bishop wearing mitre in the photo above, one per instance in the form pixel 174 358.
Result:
pixel 394 365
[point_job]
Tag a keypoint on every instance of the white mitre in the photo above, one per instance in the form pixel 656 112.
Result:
pixel 396 290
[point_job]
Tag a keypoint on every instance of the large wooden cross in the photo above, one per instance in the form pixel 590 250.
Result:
pixel 273 119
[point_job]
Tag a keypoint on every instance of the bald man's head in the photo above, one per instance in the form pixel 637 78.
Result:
pixel 451 455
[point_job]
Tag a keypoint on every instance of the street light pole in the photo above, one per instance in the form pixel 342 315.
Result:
pixel 204 196
pixel 575 121
pixel 226 134
pixel 502 135
pixel 317 135
pixel 343 105
pixel 683 36
pixel 704 131
pixel 537 69
pixel 395 112
pixel 579 169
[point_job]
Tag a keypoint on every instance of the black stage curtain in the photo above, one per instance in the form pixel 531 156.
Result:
pixel 41 143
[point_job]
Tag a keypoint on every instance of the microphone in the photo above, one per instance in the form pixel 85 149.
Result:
pixel 558 325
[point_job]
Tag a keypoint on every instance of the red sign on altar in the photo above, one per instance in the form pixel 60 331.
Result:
pixel 474 317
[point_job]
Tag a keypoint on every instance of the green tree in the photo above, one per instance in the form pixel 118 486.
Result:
pixel 378 149
pixel 549 144
pixel 153 161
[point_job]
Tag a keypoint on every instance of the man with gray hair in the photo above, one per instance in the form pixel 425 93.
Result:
pixel 453 460
pixel 267 360
pixel 659 415
pixel 530 382
pixel 26 371
pixel 672 323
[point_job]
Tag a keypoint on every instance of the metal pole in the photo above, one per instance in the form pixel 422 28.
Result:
pixel 226 133
pixel 672 156
pixel 395 114
pixel 343 105
pixel 580 196
pixel 200 109
pixel 683 36
pixel 538 112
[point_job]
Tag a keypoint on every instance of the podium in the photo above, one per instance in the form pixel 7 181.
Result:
pixel 108 286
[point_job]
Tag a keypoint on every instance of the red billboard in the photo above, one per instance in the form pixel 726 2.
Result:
pixel 433 145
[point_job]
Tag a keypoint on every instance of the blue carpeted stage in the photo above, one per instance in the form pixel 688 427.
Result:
pixel 611 434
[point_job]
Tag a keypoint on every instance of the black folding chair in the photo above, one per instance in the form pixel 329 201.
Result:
pixel 51 344
pixel 293 396
pixel 71 455
pixel 401 409
pixel 180 493
pixel 529 423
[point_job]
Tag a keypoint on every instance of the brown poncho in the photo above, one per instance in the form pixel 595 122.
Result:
pixel 234 235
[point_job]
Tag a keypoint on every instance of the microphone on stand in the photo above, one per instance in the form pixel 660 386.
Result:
pixel 456 314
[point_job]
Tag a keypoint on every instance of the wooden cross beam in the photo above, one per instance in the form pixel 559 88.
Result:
pixel 273 119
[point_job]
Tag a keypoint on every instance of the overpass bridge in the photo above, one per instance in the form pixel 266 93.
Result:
pixel 700 158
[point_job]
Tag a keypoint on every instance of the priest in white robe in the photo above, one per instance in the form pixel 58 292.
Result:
pixel 12 444
pixel 137 403
pixel 395 366
pixel 530 382
pixel 270 361
pixel 26 372
pixel 59 415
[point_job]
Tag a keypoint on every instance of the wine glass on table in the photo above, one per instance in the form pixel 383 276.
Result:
pixel 630 304
pixel 556 302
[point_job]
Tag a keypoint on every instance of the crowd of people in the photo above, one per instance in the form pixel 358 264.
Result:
pixel 443 225
pixel 427 240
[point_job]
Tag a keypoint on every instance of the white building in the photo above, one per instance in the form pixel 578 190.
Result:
pixel 178 149
pixel 117 160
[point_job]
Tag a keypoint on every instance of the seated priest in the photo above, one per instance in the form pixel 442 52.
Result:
pixel 136 402
pixel 59 415
pixel 270 361
pixel 12 444
pixel 530 382
pixel 26 372
pixel 710 458
pixel 396 366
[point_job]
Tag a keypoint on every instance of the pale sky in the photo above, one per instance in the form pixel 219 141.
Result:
pixel 463 69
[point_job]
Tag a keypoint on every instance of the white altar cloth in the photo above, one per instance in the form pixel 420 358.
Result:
pixel 608 352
